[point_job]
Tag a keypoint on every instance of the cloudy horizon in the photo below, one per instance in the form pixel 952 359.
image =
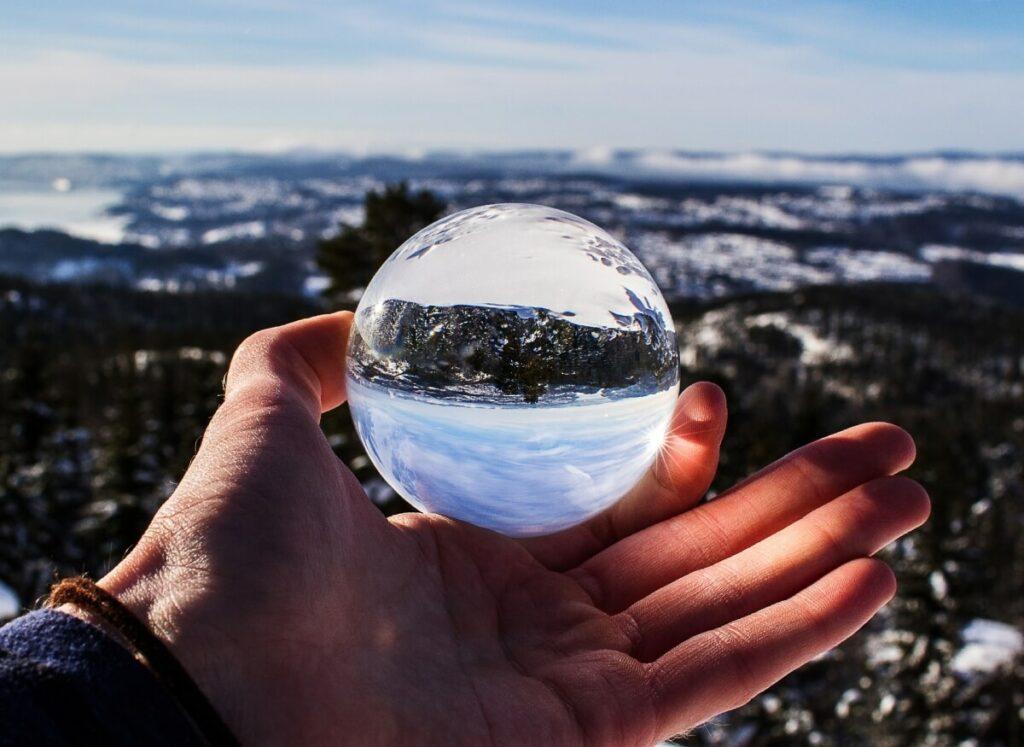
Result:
pixel 846 77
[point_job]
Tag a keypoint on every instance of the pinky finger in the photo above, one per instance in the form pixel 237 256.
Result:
pixel 724 668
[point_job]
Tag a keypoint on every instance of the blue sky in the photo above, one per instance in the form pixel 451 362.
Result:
pixel 882 76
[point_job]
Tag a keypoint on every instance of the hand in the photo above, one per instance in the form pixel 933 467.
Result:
pixel 307 617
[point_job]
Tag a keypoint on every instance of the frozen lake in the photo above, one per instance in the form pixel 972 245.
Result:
pixel 79 212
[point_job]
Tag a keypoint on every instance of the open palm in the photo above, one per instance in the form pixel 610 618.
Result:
pixel 307 617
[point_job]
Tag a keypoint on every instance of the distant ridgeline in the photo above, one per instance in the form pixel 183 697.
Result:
pixel 477 352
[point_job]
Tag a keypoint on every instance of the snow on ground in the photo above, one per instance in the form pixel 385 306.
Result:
pixel 698 242
pixel 253 229
pixel 314 285
pixel 815 349
pixel 887 646
pixel 858 266
pixel 739 211
pixel 174 213
pixel 192 277
pixel 717 264
pixel 348 215
pixel 143 358
pixel 938 252
pixel 634 202
pixel 843 203
pixel 9 604
pixel 989 646
pixel 236 192
pixel 704 336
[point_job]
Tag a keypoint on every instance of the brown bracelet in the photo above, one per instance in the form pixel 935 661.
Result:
pixel 90 598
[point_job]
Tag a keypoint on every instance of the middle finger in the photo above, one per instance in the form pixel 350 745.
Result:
pixel 756 508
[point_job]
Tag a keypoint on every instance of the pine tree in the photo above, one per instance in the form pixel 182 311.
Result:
pixel 352 257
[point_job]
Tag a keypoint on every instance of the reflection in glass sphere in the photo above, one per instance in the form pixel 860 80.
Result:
pixel 512 366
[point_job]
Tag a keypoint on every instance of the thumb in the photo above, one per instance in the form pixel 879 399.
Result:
pixel 686 465
pixel 299 365
pixel 266 437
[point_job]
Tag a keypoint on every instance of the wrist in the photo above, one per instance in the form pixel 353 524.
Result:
pixel 84 599
pixel 96 621
pixel 163 600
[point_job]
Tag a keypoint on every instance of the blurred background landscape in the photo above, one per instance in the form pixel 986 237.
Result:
pixel 832 204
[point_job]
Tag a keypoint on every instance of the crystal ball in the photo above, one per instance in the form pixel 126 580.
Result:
pixel 512 366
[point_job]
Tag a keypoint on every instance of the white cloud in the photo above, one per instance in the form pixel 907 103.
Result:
pixel 653 85
pixel 981 174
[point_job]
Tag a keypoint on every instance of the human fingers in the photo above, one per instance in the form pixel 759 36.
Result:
pixel 265 438
pixel 856 524
pixel 303 361
pixel 679 477
pixel 756 508
pixel 279 381
pixel 725 667
pixel 685 466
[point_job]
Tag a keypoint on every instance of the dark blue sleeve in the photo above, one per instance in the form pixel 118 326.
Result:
pixel 65 682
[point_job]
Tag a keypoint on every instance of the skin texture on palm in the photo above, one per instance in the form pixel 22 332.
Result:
pixel 307 617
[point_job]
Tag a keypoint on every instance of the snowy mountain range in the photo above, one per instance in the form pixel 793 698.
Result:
pixel 706 225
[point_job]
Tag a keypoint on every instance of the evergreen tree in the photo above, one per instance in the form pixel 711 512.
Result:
pixel 352 257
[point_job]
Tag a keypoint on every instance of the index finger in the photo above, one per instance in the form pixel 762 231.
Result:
pixel 747 513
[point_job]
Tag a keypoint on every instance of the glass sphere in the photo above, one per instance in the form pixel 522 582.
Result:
pixel 513 366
